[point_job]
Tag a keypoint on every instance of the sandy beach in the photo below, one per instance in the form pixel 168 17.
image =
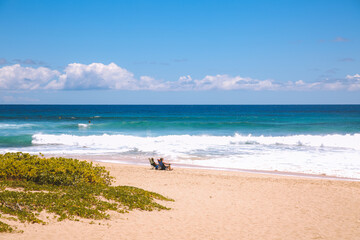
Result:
pixel 212 204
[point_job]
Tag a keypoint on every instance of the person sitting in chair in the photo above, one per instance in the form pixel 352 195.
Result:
pixel 163 165
pixel 152 163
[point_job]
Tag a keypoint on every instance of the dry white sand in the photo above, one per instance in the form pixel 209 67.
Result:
pixel 213 204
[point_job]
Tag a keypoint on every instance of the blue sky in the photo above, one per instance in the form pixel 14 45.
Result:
pixel 180 52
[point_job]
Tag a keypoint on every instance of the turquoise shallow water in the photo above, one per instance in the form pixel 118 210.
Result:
pixel 300 138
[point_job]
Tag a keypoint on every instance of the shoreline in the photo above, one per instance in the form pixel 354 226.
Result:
pixel 143 161
pixel 251 171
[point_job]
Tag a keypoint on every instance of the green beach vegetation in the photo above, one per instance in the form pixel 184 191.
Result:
pixel 68 188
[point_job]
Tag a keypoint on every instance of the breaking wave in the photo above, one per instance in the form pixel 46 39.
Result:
pixel 196 142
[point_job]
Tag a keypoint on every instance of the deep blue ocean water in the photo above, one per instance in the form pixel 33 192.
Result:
pixel 299 138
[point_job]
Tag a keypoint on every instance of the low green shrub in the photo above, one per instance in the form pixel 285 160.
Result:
pixel 57 171
pixel 69 188
pixel 5 227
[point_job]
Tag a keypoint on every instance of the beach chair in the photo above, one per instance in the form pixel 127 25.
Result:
pixel 153 164
pixel 164 166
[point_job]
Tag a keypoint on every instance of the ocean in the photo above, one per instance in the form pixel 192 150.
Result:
pixel 311 139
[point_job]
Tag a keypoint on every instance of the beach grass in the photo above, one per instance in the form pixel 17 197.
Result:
pixel 69 188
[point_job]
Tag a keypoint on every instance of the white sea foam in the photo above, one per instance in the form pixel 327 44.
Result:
pixel 15 126
pixel 198 142
pixel 83 125
pixel 337 155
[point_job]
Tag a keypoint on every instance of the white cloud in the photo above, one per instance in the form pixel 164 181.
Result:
pixel 350 83
pixel 221 82
pixel 149 83
pixel 354 80
pixel 225 82
pixel 18 77
pixel 94 76
pixel 78 76
pixel 100 76
pixel 301 85
pixel 355 76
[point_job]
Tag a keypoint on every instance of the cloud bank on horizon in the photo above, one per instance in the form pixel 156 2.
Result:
pixel 77 76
